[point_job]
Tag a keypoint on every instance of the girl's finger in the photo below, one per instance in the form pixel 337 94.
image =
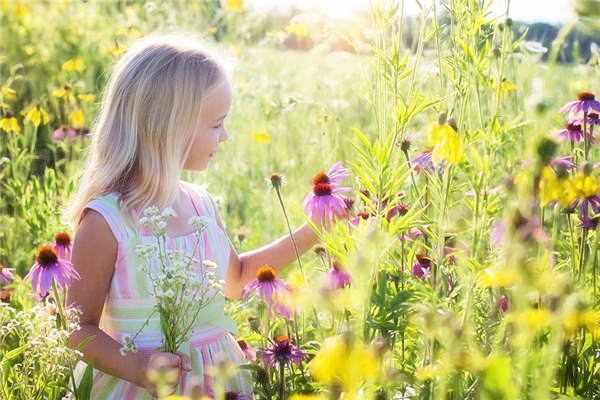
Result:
pixel 186 361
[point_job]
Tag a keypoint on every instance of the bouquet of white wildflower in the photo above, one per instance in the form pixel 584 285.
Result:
pixel 181 287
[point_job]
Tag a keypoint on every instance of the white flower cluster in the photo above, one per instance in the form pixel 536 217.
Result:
pixel 44 357
pixel 156 221
pixel 128 345
pixel 181 283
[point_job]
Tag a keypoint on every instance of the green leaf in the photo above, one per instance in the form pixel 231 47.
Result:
pixel 84 389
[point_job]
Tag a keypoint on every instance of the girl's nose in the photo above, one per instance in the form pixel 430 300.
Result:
pixel 224 135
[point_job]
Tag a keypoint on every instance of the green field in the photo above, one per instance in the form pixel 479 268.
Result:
pixel 511 316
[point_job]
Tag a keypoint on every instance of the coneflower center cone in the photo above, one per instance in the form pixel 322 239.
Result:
pixel 266 274
pixel 63 239
pixel 323 189
pixel 586 96
pixel 46 256
pixel 321 177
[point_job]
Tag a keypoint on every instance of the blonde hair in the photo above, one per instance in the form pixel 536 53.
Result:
pixel 151 109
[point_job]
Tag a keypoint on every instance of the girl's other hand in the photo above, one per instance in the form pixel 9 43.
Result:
pixel 164 368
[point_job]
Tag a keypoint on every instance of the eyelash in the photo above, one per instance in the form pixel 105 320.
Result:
pixel 217 126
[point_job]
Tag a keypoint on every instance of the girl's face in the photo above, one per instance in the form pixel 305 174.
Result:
pixel 212 129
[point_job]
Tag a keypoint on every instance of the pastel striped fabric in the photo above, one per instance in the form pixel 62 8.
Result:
pixel 129 302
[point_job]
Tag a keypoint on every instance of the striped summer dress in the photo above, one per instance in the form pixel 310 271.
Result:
pixel 129 303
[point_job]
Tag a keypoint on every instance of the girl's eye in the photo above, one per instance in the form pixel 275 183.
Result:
pixel 218 126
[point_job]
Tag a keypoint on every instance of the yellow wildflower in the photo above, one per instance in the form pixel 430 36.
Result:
pixel 506 87
pixel 37 116
pixel 9 94
pixel 447 145
pixel 234 5
pixel 582 186
pixel 308 397
pixel 9 123
pixel 261 137
pixel 297 28
pixel 73 64
pixel 344 361
pixel 64 93
pixel 551 187
pixel 86 97
pixel 493 277
pixel 76 118
pixel 213 29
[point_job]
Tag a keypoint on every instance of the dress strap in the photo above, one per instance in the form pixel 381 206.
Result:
pixel 108 206
pixel 199 199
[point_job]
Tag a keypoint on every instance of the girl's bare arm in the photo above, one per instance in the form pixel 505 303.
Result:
pixel 94 255
pixel 242 268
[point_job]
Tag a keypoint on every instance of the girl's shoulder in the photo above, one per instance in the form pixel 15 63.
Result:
pixel 107 206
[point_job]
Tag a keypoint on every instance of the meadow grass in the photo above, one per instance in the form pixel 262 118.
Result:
pixel 438 331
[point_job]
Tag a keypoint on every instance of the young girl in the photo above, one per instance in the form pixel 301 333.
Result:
pixel 163 112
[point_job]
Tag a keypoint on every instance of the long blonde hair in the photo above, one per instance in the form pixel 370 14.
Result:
pixel 151 109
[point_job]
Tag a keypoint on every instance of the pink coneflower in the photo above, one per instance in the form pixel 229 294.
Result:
pixel 424 163
pixel 398 209
pixel 282 352
pixel 422 268
pixel 248 350
pixel 337 173
pixel 271 290
pixel 6 275
pixel 49 267
pixel 325 201
pixel 563 162
pixel 62 245
pixel 593 118
pixel 502 303
pixel 64 131
pixel 572 132
pixel 337 277
pixel 586 102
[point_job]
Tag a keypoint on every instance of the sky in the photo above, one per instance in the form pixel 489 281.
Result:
pixel 551 11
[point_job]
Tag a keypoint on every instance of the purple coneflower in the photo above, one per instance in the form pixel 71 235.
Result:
pixel 64 131
pixel 586 102
pixel 337 173
pixel 248 350
pixel 502 303
pixel 49 267
pixel 563 161
pixel 325 201
pixel 337 277
pixel 423 162
pixel 283 351
pixel 271 289
pixel 572 132
pixel 6 275
pixel 62 245
pixel 422 268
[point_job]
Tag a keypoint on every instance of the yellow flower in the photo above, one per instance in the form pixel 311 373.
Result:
pixel 86 97
pixel 76 118
pixel 73 64
pixel 308 397
pixel 9 123
pixel 551 188
pixel 261 137
pixel 581 186
pixel 37 116
pixel 9 94
pixel 297 28
pixel 493 277
pixel 506 87
pixel 447 145
pixel 64 93
pixel 234 5
pixel 344 361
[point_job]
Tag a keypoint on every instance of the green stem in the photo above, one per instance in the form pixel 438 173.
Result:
pixel 287 222
pixel 282 380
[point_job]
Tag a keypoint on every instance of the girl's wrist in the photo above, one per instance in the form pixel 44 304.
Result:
pixel 141 378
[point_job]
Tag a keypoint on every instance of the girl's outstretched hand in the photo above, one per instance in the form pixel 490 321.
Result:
pixel 164 369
